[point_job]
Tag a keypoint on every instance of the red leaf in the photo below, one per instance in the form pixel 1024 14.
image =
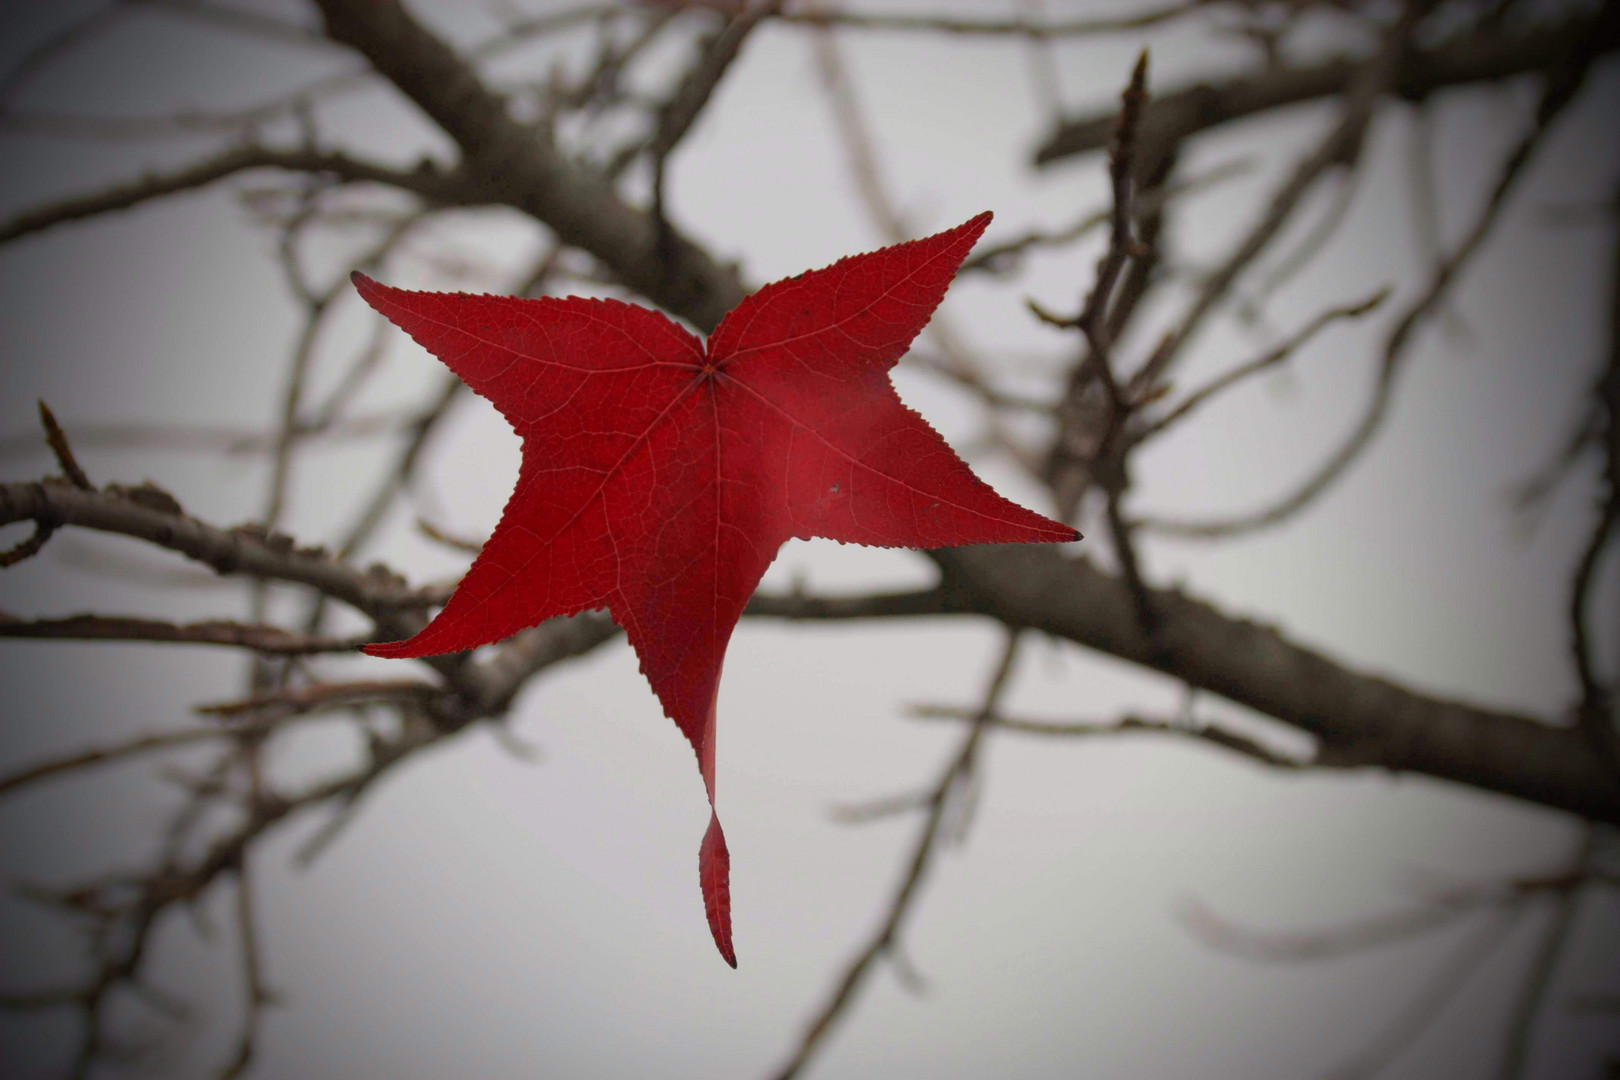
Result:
pixel 660 476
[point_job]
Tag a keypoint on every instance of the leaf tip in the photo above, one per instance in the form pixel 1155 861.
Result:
pixel 714 875
pixel 972 228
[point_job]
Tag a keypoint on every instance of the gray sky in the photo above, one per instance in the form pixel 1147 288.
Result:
pixel 485 917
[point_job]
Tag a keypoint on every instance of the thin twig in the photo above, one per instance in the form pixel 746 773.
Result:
pixel 860 813
pixel 1311 245
pixel 183 438
pixel 999 258
pixel 1538 980
pixel 1595 710
pixel 30 546
pixel 256 994
pixel 127 909
pixel 1106 462
pixel 1395 346
pixel 677 116
pixel 428 184
pixel 57 440
pixel 821 17
pixel 1340 147
pixel 253 717
pixel 398 475
pixel 1127 725
pixel 238 19
pixel 257 637
pixel 1433 997
pixel 1489 56
pixel 1388 928
pixel 1270 359
pixel 46 52
pixel 299 700
pixel 143 744
pixel 861 158
pixel 952 782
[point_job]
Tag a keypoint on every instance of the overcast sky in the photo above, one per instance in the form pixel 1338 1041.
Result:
pixel 487 917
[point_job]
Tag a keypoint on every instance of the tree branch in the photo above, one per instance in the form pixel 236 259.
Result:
pixel 1559 92
pixel 950 790
pixel 1480 56
pixel 264 639
pixel 434 186
pixel 509 163
pixel 142 513
pixel 1276 355
pixel 1026 28
pixel 1209 733
pixel 1361 720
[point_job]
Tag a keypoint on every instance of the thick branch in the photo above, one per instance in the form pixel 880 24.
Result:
pixel 1479 57
pixel 1360 719
pixel 516 165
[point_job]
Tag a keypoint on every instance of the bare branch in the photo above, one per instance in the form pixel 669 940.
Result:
pixel 797 606
pixel 429 184
pixel 1270 359
pixel 1339 148
pixel 184 438
pixel 1000 257
pixel 143 744
pixel 1557 96
pixel 247 551
pixel 1128 725
pixel 257 995
pixel 820 17
pixel 1378 931
pixel 264 639
pixel 512 164
pixel 1106 462
pixel 1360 719
pixel 254 717
pixel 42 55
pixel 1596 705
pixel 523 30
pixel 302 700
pixel 238 19
pixel 64 453
pixel 860 150
pixel 1544 965
pixel 1434 996
pixel 1309 246
pixel 463 544
pixel 28 548
pixel 398 474
pixel 876 809
pixel 1490 55
pixel 698 85
pixel 883 941
pixel 182 123
pixel 127 910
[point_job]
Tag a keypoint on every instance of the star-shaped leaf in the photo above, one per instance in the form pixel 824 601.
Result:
pixel 660 473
